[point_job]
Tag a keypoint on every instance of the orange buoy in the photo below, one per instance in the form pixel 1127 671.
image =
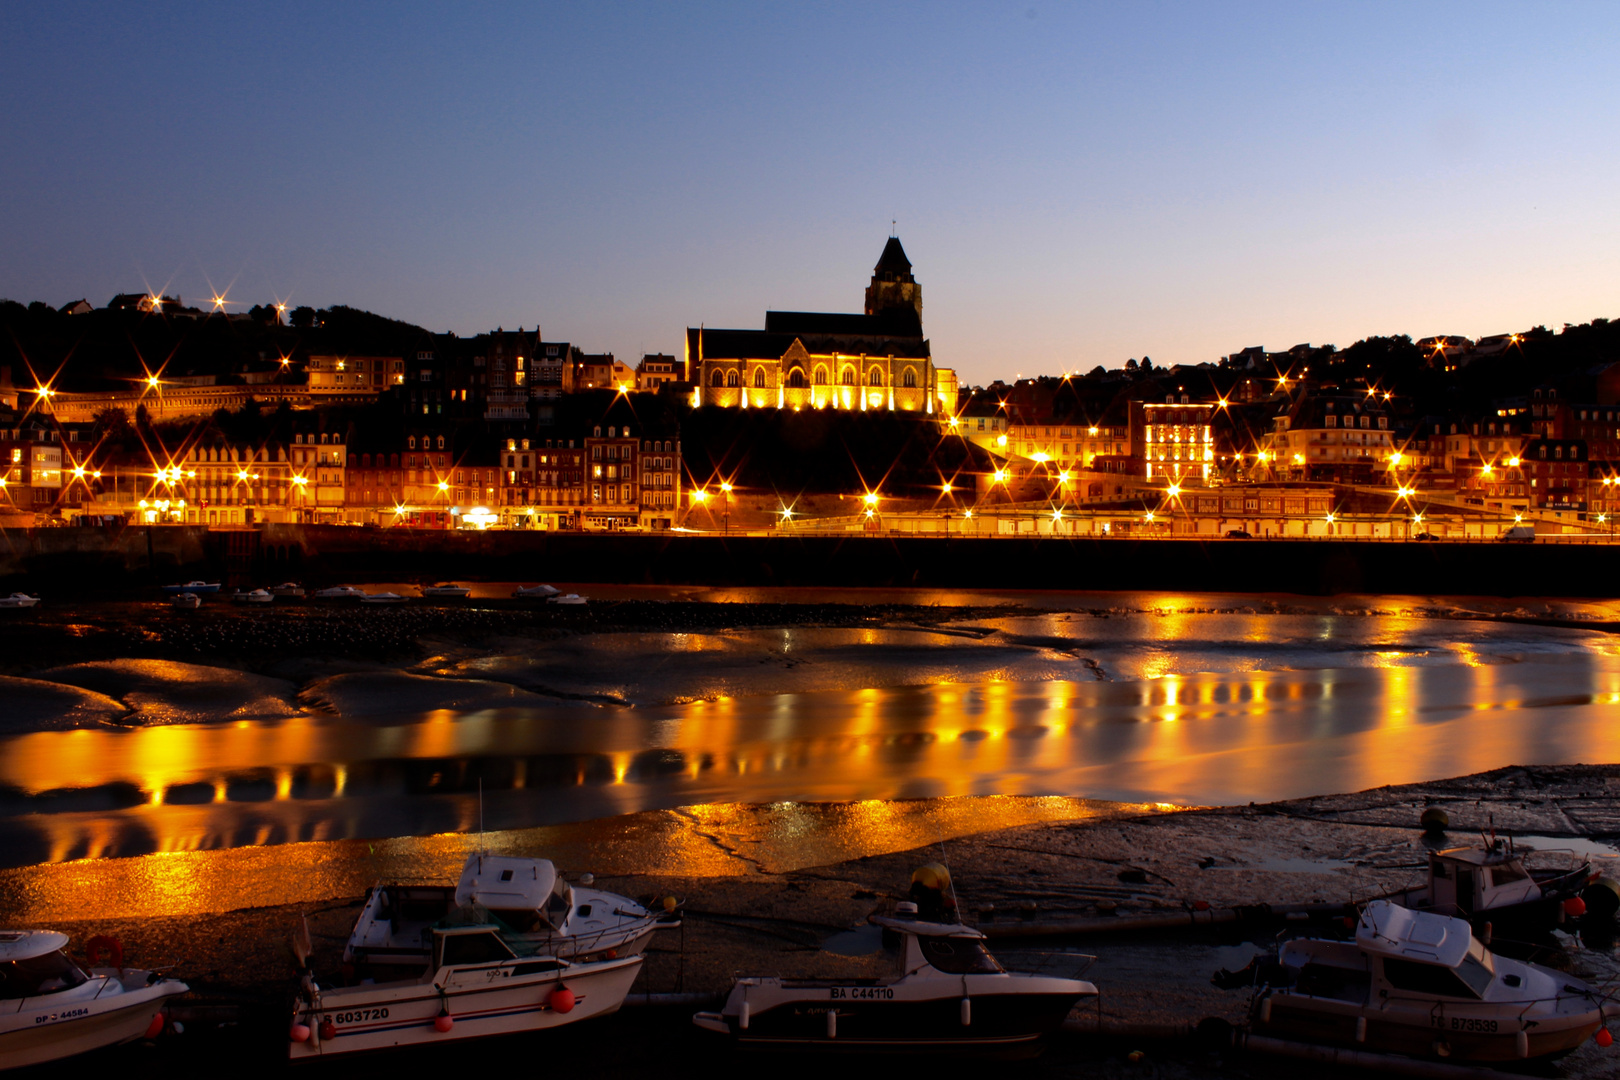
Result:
pixel 155 1028
pixel 328 1030
pixel 299 1033
pixel 1603 1038
pixel 561 999
pixel 670 904
pixel 443 1022
pixel 1574 907
pixel 101 943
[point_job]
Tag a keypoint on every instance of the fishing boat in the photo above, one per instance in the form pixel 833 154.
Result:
pixel 287 588
pixel 538 913
pixel 1420 983
pixel 534 592
pixel 571 598
pixel 18 600
pixel 257 596
pixel 445 589
pixel 948 994
pixel 1490 886
pixel 339 592
pixel 382 598
pixel 186 600
pixel 197 587
pixel 474 987
pixel 51 1008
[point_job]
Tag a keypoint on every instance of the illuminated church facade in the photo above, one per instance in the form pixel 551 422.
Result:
pixel 878 361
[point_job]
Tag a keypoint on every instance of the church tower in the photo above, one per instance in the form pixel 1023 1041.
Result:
pixel 893 289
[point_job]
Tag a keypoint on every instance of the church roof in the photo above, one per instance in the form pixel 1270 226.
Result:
pixel 770 345
pixel 895 322
pixel 893 260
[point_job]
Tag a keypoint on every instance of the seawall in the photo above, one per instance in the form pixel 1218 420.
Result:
pixel 78 561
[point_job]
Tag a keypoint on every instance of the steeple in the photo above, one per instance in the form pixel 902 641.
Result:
pixel 892 286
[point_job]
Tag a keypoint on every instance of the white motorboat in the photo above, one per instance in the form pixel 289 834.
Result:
pixel 571 598
pixel 446 589
pixel 185 600
pixel 197 587
pixel 51 1008
pixel 534 592
pixel 18 600
pixel 1419 983
pixel 287 588
pixel 949 994
pixel 1491 885
pixel 257 596
pixel 537 912
pixel 339 592
pixel 474 987
pixel 382 598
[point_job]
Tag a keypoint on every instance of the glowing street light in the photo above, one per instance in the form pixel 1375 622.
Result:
pixel 1174 491
pixel 945 487
pixel 871 498
pixel 1001 476
pixel 725 487
pixel 699 496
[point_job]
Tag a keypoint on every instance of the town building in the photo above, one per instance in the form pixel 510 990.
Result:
pixel 351 380
pixel 877 361
pixel 659 369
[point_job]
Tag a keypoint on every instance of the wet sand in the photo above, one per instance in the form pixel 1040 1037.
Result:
pixel 755 905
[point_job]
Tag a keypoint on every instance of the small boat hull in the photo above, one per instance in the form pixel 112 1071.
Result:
pixel 52 1031
pixel 1451 1034
pixel 497 999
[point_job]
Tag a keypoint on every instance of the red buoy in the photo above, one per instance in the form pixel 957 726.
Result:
pixel 443 1023
pixel 1574 907
pixel 328 1030
pixel 101 943
pixel 155 1028
pixel 1603 1038
pixel 562 999
pixel 299 1033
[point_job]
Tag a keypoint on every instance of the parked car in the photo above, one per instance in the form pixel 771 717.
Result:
pixel 1238 534
pixel 1524 534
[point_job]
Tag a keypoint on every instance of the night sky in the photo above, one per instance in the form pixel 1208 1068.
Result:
pixel 1076 184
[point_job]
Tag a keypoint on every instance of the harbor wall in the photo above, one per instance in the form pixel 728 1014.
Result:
pixel 125 560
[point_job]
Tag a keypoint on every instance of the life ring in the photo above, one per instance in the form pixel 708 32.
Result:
pixel 102 943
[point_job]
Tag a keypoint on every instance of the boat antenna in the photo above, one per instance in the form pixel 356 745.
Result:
pixel 955 903
pixel 481 850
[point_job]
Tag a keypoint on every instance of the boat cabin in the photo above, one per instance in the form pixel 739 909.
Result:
pixel 32 963
pixel 527 895
pixel 948 947
pixel 1397 953
pixel 1466 880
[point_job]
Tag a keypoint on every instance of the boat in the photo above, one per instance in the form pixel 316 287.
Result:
pixel 53 1008
pixel 474 985
pixel 185 600
pixel 257 596
pixel 571 598
pixel 339 592
pixel 537 911
pixel 381 598
pixel 287 588
pixel 949 995
pixel 18 600
pixel 1490 886
pixel 1420 983
pixel 198 587
pixel 446 589
pixel 534 592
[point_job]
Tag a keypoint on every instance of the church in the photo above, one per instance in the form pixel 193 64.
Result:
pixel 878 361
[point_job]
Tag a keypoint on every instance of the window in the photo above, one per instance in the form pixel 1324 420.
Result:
pixel 479 948
pixel 910 379
pixel 1420 978
pixel 958 956
pixel 875 378
pixel 848 378
pixel 759 378
pixel 718 378
pixel 796 379
pixel 731 378
pixel 821 378
pixel 38 975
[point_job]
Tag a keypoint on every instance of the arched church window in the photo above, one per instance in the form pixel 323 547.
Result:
pixel 796 378
pixel 731 378
pixel 718 379
pixel 759 378
pixel 875 378
pixel 910 378
pixel 821 376
pixel 849 376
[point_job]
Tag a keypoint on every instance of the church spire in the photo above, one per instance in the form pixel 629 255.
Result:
pixel 893 286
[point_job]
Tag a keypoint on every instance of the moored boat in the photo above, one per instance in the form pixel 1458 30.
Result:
pixel 534 592
pixel 339 592
pixel 1491 886
pixel 382 598
pixel 571 598
pixel 18 600
pixel 445 589
pixel 287 588
pixel 537 912
pixel 256 596
pixel 51 1008
pixel 185 600
pixel 948 994
pixel 1421 984
pixel 196 587
pixel 474 987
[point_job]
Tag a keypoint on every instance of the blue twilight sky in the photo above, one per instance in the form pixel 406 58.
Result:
pixel 1076 184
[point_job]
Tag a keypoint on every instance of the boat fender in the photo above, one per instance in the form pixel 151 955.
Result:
pixel 1521 1043
pixel 561 1000
pixel 298 1034
pixel 1265 1010
pixel 101 943
pixel 832 1023
pixel 443 1022
pixel 155 1028
pixel 176 1028
pixel 1603 1038
pixel 1485 935
pixel 1442 1049
pixel 742 1016
pixel 328 1030
pixel 967 1012
pixel 1575 907
pixel 1361 1029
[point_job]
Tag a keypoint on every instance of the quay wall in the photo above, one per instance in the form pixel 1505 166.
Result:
pixel 128 560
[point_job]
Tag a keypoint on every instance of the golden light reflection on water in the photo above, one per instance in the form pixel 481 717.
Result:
pixel 693 842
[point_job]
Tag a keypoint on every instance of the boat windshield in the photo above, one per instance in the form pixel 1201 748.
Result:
pixel 1468 980
pixel 958 956
pixel 46 974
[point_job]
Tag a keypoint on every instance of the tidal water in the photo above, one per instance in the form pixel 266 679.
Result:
pixel 1149 700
